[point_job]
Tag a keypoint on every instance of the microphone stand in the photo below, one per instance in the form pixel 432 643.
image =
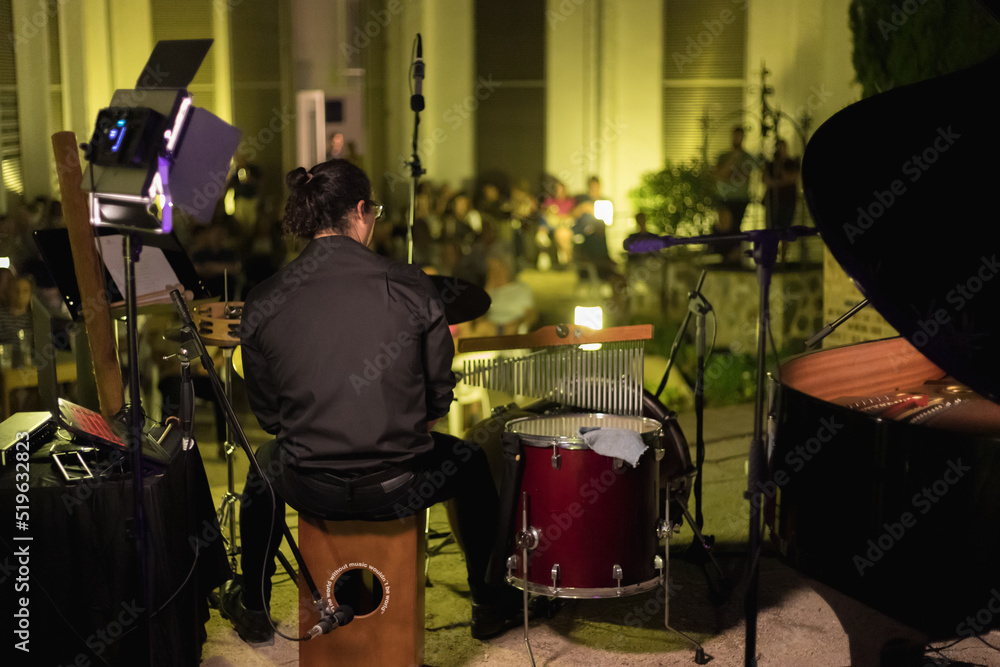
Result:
pixel 189 330
pixel 416 170
pixel 186 409
pixel 765 253
pixel 697 305
pixel 830 328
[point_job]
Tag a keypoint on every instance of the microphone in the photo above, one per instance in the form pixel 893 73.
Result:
pixel 417 99
pixel 643 243
pixel 329 620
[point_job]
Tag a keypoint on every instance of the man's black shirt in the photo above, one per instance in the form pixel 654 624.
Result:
pixel 347 356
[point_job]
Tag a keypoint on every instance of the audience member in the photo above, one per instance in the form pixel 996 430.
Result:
pixel 15 315
pixel 732 185
pixel 512 307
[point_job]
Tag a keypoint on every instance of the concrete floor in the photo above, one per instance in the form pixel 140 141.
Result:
pixel 800 622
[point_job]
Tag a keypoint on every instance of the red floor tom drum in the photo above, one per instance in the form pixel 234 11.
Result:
pixel 592 519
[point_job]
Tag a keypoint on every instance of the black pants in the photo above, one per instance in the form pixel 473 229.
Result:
pixel 453 469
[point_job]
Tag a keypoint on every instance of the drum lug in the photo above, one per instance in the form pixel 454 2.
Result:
pixel 556 457
pixel 512 566
pixel 659 453
pixel 617 464
pixel 664 529
pixel 658 565
pixel 555 576
pixel 499 411
pixel 528 539
pixel 616 574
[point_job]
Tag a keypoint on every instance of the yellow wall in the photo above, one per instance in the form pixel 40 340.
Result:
pixel 807 47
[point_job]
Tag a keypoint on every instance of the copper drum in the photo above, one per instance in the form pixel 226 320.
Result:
pixel 592 519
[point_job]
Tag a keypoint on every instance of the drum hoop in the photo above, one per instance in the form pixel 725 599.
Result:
pixel 585 593
pixel 576 441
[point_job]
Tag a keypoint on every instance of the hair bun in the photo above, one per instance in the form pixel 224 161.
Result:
pixel 297 178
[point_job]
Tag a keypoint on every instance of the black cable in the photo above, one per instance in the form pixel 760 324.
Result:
pixel 715 336
pixel 413 63
pixel 995 648
pixel 774 348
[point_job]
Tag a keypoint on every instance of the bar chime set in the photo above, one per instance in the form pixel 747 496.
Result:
pixel 563 365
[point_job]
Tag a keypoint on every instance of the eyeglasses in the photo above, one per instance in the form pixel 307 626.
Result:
pixel 376 208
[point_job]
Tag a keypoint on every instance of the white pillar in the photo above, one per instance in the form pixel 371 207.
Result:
pixel 448 127
pixel 568 102
pixel 130 40
pixel 85 59
pixel 31 52
pixel 631 130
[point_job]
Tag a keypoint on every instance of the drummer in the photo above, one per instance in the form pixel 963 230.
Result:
pixel 347 358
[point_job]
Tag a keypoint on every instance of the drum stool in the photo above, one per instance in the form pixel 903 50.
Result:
pixel 385 589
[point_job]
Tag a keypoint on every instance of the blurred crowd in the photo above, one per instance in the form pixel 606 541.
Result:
pixel 486 234
pixel 456 230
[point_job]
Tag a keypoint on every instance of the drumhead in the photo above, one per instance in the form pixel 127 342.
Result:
pixel 564 430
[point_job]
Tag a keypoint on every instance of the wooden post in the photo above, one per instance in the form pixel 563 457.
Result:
pixel 89 274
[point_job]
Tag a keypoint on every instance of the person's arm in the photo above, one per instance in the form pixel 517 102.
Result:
pixel 724 165
pixel 262 393
pixel 438 355
pixel 430 331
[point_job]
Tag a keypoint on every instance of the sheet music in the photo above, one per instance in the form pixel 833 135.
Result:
pixel 153 273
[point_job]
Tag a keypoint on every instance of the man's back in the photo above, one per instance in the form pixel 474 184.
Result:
pixel 347 356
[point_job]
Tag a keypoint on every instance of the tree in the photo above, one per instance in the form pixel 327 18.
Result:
pixel 902 42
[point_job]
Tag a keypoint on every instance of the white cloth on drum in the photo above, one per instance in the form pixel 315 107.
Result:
pixel 622 443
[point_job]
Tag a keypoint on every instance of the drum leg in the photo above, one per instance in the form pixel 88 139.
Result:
pixel 700 657
pixel 718 583
pixel 524 573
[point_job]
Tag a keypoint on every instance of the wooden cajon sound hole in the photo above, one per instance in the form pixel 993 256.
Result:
pixel 377 569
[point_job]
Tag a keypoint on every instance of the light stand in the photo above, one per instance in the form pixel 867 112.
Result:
pixel 765 252
pixel 135 420
pixel 151 148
